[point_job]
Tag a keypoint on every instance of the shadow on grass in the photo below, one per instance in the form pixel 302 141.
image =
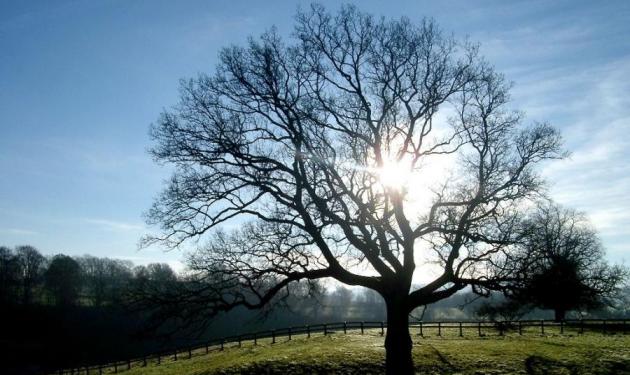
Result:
pixel 537 365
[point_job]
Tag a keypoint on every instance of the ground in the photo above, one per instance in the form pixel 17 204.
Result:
pixel 336 353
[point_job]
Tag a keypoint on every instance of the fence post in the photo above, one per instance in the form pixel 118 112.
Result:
pixel 222 343
pixel 439 328
pixel 208 349
pixel 273 336
pixel 542 327
pixel 345 328
pixel 158 359
pixel 255 339
pixel 144 361
pixel 461 331
pixel 361 327
pixel 290 333
pixel 175 356
pixel 581 325
pixel 308 331
pixel 500 324
pixel 189 352
pixel 421 333
pixel 520 328
pixel 479 328
pixel 239 341
pixel 128 365
pixel 325 329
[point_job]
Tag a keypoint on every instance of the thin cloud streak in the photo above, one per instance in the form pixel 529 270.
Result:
pixel 117 226
pixel 18 231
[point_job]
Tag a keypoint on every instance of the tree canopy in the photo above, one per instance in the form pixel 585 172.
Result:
pixel 563 263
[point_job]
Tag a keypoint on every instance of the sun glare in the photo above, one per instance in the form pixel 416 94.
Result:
pixel 394 176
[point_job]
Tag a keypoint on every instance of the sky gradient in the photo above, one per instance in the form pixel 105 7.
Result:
pixel 81 82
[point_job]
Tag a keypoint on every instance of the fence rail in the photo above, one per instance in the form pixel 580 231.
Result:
pixel 460 328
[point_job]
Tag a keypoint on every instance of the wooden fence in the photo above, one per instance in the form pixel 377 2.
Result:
pixel 423 329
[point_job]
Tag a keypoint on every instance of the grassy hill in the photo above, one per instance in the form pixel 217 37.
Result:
pixel 590 353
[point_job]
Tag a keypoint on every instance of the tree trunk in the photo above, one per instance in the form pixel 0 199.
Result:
pixel 398 342
pixel 559 314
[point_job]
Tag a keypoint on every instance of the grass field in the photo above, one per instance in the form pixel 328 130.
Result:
pixel 571 353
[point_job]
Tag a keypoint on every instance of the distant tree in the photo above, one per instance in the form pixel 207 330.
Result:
pixel 105 280
pixel 94 278
pixel 161 272
pixel 563 263
pixel 9 276
pixel 372 304
pixel 153 279
pixel 31 267
pixel 120 274
pixel 505 309
pixel 63 280
pixel 623 305
pixel 140 273
pixel 340 300
pixel 312 142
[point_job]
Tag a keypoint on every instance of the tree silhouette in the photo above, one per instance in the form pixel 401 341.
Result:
pixel 307 148
pixel 9 276
pixel 104 279
pixel 63 280
pixel 31 264
pixel 564 266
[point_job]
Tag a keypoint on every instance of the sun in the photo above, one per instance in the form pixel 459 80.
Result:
pixel 394 176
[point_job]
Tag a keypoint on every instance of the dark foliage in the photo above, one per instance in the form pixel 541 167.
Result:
pixel 63 280
pixel 563 265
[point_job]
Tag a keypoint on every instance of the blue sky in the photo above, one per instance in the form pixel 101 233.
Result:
pixel 81 81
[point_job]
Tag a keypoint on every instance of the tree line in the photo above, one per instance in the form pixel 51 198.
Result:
pixel 28 277
pixel 565 278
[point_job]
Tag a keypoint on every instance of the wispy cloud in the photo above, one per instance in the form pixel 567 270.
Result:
pixel 117 226
pixel 18 231
pixel 594 116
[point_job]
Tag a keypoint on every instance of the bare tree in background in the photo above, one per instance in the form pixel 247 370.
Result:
pixel 302 146
pixel 31 265
pixel 104 279
pixel 9 276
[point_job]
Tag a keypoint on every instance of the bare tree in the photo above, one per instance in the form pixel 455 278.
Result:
pixel 31 267
pixel 303 145
pixel 105 280
pixel 9 276
pixel 563 265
